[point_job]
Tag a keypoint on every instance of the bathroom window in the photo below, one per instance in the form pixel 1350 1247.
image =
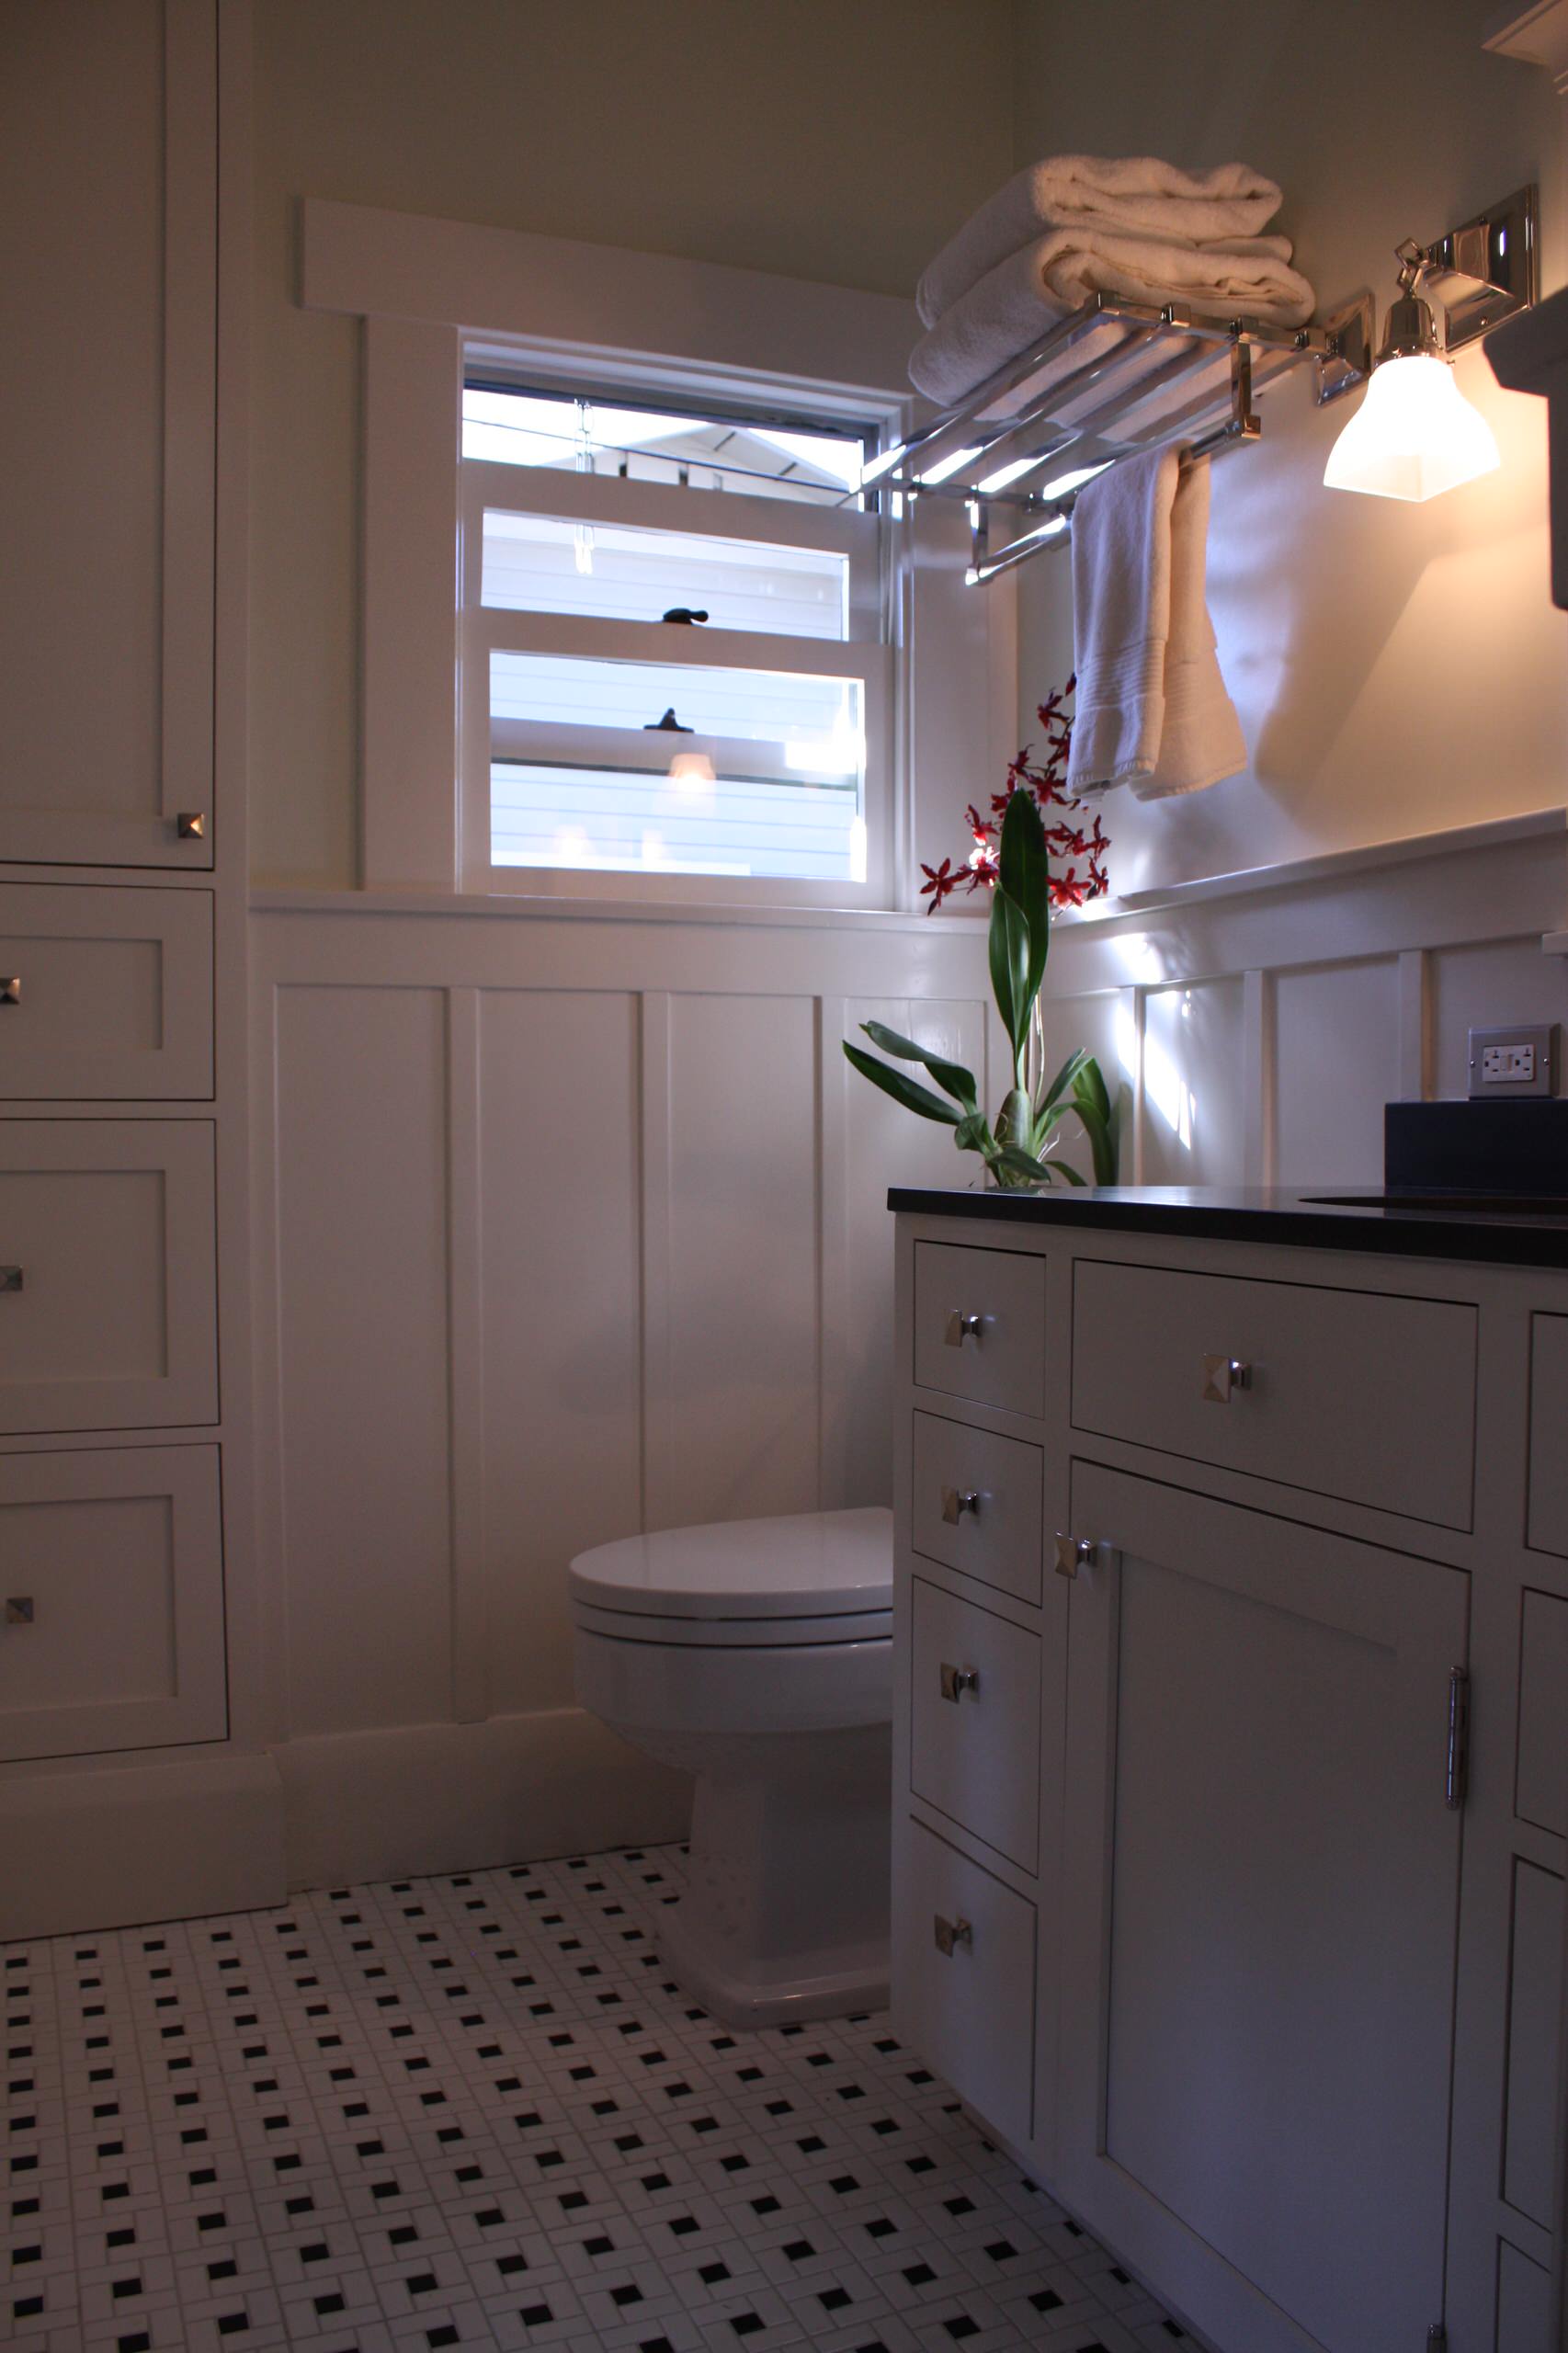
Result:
pixel 673 645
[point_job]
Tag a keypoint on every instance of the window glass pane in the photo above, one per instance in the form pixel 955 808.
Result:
pixel 651 445
pixel 614 821
pixel 796 722
pixel 540 563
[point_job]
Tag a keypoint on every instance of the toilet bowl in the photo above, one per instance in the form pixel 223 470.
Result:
pixel 755 1654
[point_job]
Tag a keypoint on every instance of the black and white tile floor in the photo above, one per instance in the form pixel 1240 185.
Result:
pixel 473 2110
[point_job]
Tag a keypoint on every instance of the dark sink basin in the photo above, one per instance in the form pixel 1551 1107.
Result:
pixel 1470 1204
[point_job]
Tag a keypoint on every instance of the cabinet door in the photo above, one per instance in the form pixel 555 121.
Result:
pixel 111 1615
pixel 107 249
pixel 1262 1891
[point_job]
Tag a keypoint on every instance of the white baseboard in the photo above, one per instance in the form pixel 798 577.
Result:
pixel 107 1849
pixel 375 1805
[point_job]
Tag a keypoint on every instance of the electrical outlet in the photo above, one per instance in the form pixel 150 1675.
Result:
pixel 1522 1060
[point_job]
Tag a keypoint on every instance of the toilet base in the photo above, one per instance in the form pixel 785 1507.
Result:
pixel 785 1914
pixel 741 2001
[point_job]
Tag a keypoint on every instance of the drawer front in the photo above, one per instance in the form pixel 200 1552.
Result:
pixel 105 995
pixel 974 1720
pixel 1549 1417
pixel 107 1317
pixel 1541 1794
pixel 976 1504
pixel 111 1613
pixel 980 1326
pixel 964 1980
pixel 1351 1393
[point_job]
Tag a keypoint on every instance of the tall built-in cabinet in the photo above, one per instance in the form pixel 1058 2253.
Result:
pixel 1231 1761
pixel 124 1470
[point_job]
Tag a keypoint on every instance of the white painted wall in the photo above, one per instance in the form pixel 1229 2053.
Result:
pixel 1397 670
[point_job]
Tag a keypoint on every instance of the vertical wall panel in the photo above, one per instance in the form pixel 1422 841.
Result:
pixel 559 1164
pixel 1336 1063
pixel 1482 988
pixel 1193 1077
pixel 885 1145
pixel 742 1258
pixel 361 1190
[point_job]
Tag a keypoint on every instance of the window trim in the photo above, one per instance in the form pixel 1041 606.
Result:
pixel 434 295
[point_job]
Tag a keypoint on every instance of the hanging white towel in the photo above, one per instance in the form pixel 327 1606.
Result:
pixel 1151 711
pixel 1015 302
pixel 1202 739
pixel 1127 193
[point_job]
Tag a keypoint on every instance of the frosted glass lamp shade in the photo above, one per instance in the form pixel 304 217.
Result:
pixel 1414 436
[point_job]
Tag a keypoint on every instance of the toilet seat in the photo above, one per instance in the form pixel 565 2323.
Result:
pixel 810 1578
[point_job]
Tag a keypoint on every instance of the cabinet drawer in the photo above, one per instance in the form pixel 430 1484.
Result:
pixel 1351 1393
pixel 971 2009
pixel 980 1326
pixel 111 1617
pixel 976 1504
pixel 107 1314
pixel 974 1720
pixel 105 994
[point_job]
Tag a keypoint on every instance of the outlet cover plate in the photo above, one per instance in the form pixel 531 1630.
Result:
pixel 1507 1064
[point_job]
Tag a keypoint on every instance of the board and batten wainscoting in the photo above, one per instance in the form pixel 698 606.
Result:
pixel 573 1222
pixel 1259 1022
pixel 567 1226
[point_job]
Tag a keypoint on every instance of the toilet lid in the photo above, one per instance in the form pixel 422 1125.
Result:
pixel 812 1564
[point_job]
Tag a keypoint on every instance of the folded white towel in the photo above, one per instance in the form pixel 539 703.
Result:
pixel 1127 193
pixel 1015 302
pixel 1151 709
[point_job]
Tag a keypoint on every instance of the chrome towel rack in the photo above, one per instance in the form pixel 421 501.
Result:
pixel 1091 409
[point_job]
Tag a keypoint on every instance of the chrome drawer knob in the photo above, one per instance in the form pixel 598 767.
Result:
pixel 191 825
pixel 957 1680
pixel 1221 1375
pixel 956 1501
pixel 951 1934
pixel 11 1278
pixel 20 1609
pixel 11 989
pixel 963 1327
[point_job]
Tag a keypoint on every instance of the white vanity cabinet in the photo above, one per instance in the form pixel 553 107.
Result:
pixel 1233 1694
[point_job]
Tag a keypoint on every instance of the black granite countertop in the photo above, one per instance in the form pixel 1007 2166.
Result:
pixel 1325 1217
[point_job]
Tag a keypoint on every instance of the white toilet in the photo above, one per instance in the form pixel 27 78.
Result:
pixel 755 1655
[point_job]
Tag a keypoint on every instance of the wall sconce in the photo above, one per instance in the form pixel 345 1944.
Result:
pixel 1415 434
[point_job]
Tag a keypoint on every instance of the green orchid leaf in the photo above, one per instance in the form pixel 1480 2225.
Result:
pixel 907 1091
pixel 1068 1076
pixel 1018 1163
pixel 1008 944
pixel 1024 867
pixel 973 1134
pixel 1102 1142
pixel 1088 1084
pixel 951 1078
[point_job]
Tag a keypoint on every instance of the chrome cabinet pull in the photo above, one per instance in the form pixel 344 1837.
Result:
pixel 952 1932
pixel 956 1501
pixel 963 1327
pixel 11 1278
pixel 1075 1552
pixel 957 1680
pixel 11 989
pixel 20 1609
pixel 191 825
pixel 1221 1375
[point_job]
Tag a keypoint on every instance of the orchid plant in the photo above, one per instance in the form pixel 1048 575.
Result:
pixel 1012 859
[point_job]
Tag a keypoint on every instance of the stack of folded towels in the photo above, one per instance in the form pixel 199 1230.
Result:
pixel 1128 226
pixel 1151 711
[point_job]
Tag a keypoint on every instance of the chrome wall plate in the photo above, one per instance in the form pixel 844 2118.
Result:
pixel 1351 331
pixel 1486 269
